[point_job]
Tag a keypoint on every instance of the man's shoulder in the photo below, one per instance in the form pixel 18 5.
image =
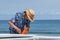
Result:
pixel 19 13
pixel 19 16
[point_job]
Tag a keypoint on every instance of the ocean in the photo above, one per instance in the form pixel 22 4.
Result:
pixel 45 27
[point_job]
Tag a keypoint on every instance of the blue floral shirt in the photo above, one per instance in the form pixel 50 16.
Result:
pixel 19 21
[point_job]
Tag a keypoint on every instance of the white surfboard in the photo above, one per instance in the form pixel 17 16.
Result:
pixel 27 37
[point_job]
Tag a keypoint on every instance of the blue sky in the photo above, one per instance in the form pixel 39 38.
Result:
pixel 44 9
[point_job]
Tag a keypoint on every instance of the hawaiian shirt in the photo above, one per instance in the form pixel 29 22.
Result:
pixel 19 21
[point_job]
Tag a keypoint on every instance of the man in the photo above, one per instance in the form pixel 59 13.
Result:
pixel 21 19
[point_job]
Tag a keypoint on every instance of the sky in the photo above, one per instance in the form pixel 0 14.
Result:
pixel 44 9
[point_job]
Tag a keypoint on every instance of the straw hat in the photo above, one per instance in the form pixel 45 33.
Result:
pixel 30 14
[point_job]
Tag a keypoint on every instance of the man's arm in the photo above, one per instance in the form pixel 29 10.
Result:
pixel 13 26
pixel 25 31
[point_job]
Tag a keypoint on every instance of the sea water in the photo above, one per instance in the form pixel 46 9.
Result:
pixel 44 27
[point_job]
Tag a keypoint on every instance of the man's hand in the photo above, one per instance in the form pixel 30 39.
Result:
pixel 13 26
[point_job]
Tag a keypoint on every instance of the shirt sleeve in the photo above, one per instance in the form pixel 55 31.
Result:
pixel 12 20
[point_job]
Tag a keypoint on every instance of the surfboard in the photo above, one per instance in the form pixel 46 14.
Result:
pixel 27 37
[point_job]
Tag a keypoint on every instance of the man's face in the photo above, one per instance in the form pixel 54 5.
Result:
pixel 25 16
